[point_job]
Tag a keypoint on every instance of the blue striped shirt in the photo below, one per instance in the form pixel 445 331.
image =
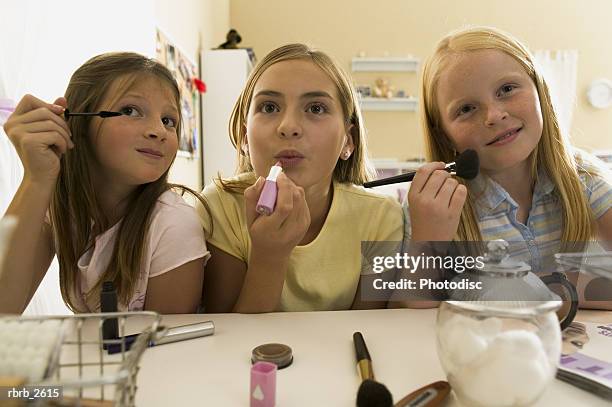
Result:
pixel 540 238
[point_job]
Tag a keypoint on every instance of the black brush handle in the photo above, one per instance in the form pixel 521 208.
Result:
pixel 103 114
pixel 407 177
pixel 108 303
pixel 361 350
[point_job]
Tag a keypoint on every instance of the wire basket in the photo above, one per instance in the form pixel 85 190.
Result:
pixel 81 367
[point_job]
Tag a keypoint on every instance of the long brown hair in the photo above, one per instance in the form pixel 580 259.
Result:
pixel 358 168
pixel 76 215
pixel 553 153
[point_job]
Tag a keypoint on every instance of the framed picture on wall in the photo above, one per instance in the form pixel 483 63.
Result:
pixel 184 71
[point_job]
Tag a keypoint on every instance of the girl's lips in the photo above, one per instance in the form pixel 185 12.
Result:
pixel 506 139
pixel 150 153
pixel 287 162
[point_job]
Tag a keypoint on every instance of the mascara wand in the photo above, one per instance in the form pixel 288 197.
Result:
pixel 104 114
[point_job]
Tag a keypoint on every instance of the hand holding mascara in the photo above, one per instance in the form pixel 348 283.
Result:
pixel 40 136
pixel 103 114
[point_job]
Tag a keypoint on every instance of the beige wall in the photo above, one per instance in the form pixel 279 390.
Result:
pixel 192 25
pixel 345 27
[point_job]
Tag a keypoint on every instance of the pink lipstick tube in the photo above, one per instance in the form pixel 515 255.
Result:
pixel 263 385
pixel 267 199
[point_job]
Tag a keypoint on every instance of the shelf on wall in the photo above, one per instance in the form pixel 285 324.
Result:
pixel 391 104
pixel 385 64
pixel 395 164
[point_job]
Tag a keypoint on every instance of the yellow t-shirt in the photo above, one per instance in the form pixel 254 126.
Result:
pixel 322 275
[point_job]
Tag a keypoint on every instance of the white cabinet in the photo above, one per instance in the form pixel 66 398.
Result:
pixel 225 73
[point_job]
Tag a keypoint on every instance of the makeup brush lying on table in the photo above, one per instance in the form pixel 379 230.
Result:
pixel 466 166
pixel 374 394
pixel 371 393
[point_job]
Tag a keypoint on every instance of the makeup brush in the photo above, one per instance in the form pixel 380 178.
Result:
pixel 103 114
pixel 465 166
pixel 371 393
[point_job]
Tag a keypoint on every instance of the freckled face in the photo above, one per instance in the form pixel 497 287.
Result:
pixel 489 103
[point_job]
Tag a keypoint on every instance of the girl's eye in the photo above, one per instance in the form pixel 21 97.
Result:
pixel 317 108
pixel 268 107
pixel 169 122
pixel 465 109
pixel 129 111
pixel 506 89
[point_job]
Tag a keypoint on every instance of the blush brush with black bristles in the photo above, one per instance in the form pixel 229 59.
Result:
pixel 371 393
pixel 466 166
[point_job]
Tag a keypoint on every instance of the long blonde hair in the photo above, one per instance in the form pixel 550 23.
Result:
pixel 76 215
pixel 553 153
pixel 357 169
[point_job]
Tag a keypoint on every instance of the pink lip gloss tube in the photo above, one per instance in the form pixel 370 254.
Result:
pixel 267 199
pixel 263 385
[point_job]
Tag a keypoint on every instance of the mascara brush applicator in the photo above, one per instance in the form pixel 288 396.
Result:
pixel 104 114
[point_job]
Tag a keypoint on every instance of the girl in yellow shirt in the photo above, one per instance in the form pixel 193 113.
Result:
pixel 298 107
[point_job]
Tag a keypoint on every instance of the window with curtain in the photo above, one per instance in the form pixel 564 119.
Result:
pixel 560 72
pixel 42 44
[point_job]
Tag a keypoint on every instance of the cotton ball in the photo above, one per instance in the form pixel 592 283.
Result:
pixel 462 344
pixel 12 349
pixel 466 346
pixel 17 329
pixel 454 326
pixel 527 345
pixel 35 339
pixel 490 327
pixel 513 370
pixel 27 352
pixel 482 385
pixel 529 368
pixel 37 368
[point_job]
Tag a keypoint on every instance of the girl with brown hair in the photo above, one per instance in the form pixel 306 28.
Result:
pixel 96 193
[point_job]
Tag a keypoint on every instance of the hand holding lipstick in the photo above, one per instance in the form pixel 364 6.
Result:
pixel 283 229
pixel 267 198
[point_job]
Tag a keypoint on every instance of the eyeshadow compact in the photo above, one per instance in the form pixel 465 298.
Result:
pixel 279 354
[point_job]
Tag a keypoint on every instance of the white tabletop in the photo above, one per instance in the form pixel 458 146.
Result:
pixel 214 370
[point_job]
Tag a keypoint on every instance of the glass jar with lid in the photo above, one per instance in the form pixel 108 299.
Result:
pixel 499 344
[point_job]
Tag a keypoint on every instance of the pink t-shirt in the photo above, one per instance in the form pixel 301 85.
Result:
pixel 175 237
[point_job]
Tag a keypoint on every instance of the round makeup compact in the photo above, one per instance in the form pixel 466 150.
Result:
pixel 277 353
